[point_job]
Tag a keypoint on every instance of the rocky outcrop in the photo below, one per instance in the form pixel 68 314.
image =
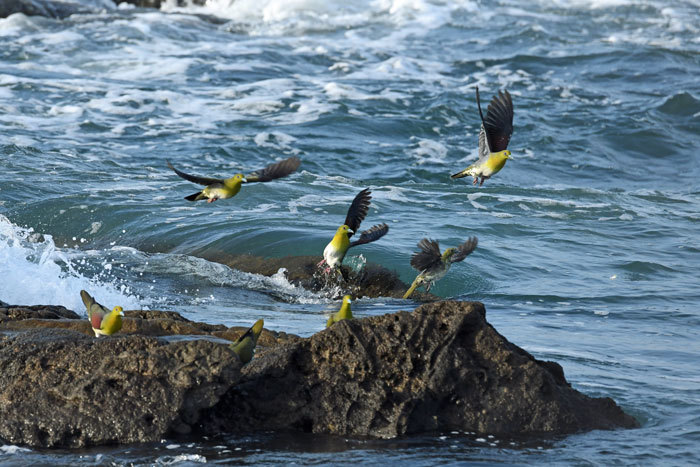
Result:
pixel 61 388
pixel 441 367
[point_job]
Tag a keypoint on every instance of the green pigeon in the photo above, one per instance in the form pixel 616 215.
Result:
pixel 343 313
pixel 494 136
pixel 335 251
pixel 229 187
pixel 433 265
pixel 245 345
pixel 103 321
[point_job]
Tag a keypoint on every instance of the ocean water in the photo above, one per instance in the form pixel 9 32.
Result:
pixel 588 249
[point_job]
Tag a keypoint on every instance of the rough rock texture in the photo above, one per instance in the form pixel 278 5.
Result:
pixel 18 313
pixel 372 281
pixel 63 389
pixel 47 8
pixel 441 367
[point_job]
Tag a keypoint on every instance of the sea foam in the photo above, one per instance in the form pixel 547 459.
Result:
pixel 35 272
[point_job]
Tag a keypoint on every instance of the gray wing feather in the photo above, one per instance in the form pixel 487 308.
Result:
pixel 195 178
pixel 464 250
pixel 428 257
pixel 274 171
pixel 372 234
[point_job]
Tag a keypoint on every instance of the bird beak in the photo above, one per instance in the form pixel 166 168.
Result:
pixel 351 232
pixel 244 180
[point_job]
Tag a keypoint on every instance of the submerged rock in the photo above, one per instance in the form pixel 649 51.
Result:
pixel 372 280
pixel 47 8
pixel 441 367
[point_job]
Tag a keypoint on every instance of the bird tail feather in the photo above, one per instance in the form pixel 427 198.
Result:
pixel 463 173
pixel 87 299
pixel 194 197
pixel 413 287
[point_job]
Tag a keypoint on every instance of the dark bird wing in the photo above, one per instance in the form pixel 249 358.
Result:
pixel 464 250
pixel 274 171
pixel 195 178
pixel 428 257
pixel 371 235
pixel 498 123
pixel 358 209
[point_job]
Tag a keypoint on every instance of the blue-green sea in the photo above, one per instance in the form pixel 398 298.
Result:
pixel 589 238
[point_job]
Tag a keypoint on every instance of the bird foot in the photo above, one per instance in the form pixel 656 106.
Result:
pixel 211 200
pixel 476 180
pixel 482 181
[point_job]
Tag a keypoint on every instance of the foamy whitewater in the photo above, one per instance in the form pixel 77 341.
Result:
pixel 588 239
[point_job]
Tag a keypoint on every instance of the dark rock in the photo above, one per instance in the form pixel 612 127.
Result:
pixel 16 313
pixel 442 367
pixel 372 280
pixel 47 8
pixel 62 389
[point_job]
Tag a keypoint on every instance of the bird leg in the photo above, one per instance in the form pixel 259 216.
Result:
pixel 427 287
pixel 476 180
pixel 320 263
pixel 211 200
pixel 482 180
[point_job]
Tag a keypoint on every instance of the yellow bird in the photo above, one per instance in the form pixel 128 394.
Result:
pixel 335 251
pixel 494 136
pixel 432 265
pixel 343 313
pixel 103 321
pixel 229 187
pixel 245 345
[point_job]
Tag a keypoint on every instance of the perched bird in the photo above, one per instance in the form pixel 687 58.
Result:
pixel 229 187
pixel 343 313
pixel 432 265
pixel 245 345
pixel 103 321
pixel 494 136
pixel 335 251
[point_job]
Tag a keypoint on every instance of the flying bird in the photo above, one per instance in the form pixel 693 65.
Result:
pixel 335 251
pixel 103 321
pixel 432 265
pixel 494 136
pixel 343 313
pixel 245 345
pixel 229 187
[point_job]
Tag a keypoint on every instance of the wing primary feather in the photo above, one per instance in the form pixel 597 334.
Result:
pixel 274 171
pixel 483 122
pixel 358 209
pixel 372 234
pixel 428 257
pixel 499 121
pixel 465 249
pixel 194 178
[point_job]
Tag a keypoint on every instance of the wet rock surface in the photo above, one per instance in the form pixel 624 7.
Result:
pixel 59 388
pixel 440 367
pixel 371 281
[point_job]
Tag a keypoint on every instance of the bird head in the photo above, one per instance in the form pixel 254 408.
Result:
pixel 344 229
pixel 257 329
pixel 347 300
pixel 235 180
pixel 448 253
pixel 117 310
pixel 505 154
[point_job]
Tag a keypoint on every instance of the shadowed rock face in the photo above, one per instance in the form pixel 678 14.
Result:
pixel 60 388
pixel 442 367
